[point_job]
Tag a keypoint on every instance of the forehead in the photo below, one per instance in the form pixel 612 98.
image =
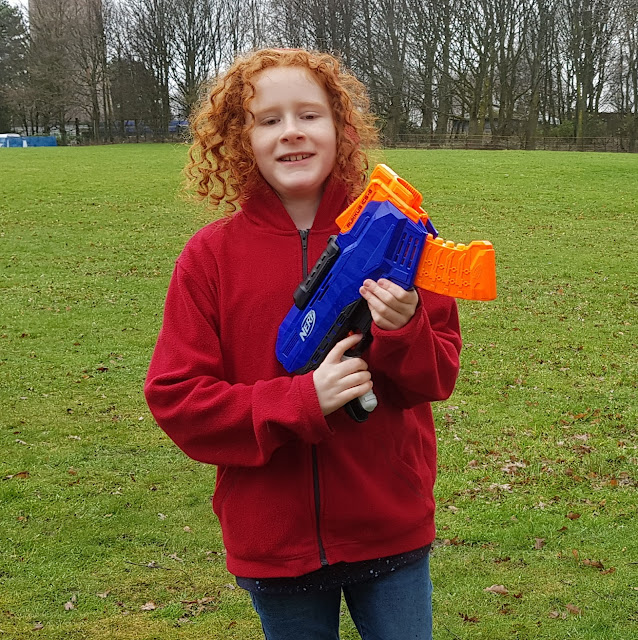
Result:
pixel 282 84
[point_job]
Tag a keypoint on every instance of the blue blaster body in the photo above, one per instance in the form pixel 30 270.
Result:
pixel 383 243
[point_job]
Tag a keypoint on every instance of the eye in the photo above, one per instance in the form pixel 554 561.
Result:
pixel 269 122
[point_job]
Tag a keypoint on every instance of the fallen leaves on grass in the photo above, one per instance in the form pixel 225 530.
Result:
pixel 499 589
pixel 573 609
pixel 513 467
pixel 573 516
pixel 495 486
pixel 21 475
pixel 149 606
pixel 596 564
pixel 467 618
pixel 539 544
pixel 453 542
pixel 149 565
pixel 593 563
pixel 70 605
pixel 201 605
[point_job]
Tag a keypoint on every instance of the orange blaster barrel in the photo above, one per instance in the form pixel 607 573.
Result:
pixel 457 270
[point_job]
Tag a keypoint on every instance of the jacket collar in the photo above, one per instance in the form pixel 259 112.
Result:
pixel 264 208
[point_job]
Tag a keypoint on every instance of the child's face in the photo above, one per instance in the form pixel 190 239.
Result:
pixel 293 134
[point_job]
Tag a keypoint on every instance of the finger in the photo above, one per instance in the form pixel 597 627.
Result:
pixel 355 379
pixel 354 392
pixel 337 352
pixel 404 296
pixel 373 293
pixel 390 293
pixel 383 315
pixel 351 365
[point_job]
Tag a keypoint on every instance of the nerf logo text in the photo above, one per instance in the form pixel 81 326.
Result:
pixel 307 325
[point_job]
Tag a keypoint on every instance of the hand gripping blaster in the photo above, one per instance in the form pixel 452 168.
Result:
pixel 384 234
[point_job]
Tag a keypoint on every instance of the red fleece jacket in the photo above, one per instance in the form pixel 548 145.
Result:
pixel 294 487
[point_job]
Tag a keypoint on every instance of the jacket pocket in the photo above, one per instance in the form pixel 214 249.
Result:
pixel 266 513
pixel 226 479
pixel 372 493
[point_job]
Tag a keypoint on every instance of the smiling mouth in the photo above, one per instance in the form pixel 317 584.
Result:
pixel 295 157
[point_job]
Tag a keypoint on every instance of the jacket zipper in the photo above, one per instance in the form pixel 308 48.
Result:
pixel 315 465
pixel 304 251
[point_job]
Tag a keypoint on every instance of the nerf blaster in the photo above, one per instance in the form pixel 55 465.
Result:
pixel 384 234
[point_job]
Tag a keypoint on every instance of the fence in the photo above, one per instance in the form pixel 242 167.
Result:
pixel 487 141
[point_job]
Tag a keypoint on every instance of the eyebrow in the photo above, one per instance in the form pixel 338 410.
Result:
pixel 306 104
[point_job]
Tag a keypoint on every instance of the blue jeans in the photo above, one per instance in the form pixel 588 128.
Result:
pixel 395 606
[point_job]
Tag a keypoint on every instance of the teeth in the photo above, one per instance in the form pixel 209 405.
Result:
pixel 295 158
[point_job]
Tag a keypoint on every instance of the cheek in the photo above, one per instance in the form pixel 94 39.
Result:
pixel 330 141
pixel 259 146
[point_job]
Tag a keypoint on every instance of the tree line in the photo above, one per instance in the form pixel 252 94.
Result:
pixel 435 67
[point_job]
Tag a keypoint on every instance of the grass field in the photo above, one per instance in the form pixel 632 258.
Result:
pixel 105 527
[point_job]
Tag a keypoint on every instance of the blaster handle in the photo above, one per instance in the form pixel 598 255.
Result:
pixel 355 410
pixel 359 408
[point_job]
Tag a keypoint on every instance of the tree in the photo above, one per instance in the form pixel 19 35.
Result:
pixel 625 85
pixel 87 52
pixel 444 84
pixel 508 85
pixel 13 66
pixel 199 47
pixel 539 40
pixel 473 55
pixel 150 32
pixel 588 26
pixel 51 71
pixel 425 32
pixel 131 84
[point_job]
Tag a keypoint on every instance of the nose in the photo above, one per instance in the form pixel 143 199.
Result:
pixel 291 130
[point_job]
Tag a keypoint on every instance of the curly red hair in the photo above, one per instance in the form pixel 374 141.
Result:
pixel 222 166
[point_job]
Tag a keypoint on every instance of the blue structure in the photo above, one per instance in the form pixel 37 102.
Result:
pixel 28 141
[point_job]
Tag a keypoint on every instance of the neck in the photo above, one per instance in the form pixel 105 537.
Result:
pixel 302 211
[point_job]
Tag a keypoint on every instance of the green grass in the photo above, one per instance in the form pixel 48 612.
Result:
pixel 537 442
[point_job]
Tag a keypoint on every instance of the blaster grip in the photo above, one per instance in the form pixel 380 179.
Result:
pixel 359 408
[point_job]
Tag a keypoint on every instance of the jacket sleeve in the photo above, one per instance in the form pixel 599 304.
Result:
pixel 419 362
pixel 210 419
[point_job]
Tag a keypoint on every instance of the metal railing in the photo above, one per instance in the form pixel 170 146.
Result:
pixel 487 141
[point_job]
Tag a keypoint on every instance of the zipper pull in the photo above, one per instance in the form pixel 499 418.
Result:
pixel 304 250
